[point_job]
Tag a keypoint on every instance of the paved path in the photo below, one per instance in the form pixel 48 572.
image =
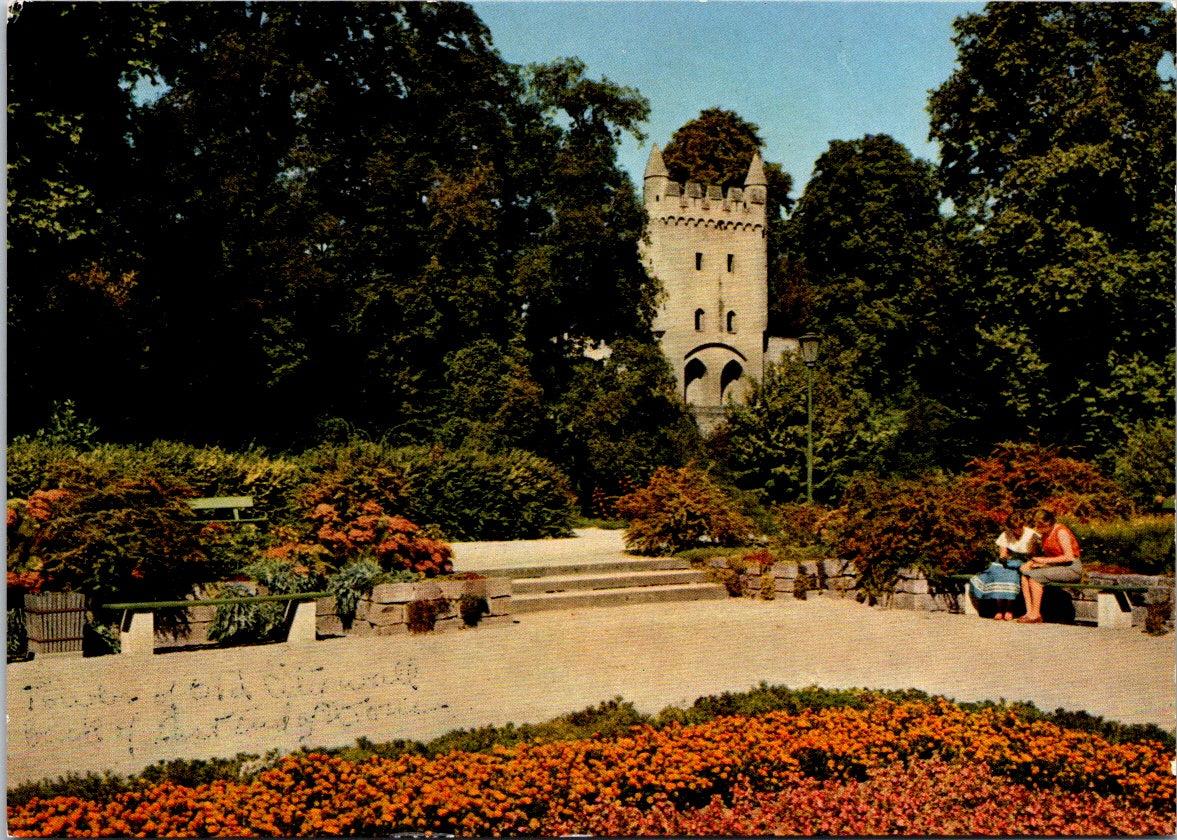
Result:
pixel 122 713
pixel 590 545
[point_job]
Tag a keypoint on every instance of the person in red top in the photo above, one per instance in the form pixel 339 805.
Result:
pixel 1059 563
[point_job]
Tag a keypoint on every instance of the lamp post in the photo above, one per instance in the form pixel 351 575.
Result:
pixel 809 344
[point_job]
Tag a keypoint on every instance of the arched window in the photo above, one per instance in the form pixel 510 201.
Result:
pixel 698 319
pixel 731 322
pixel 698 261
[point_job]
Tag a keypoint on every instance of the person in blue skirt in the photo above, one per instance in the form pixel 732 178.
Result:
pixel 1002 582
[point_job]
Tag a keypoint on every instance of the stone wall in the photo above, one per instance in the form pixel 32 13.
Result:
pixel 913 592
pixel 380 613
pixel 384 610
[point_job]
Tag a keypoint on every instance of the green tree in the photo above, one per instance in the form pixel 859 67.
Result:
pixel 865 235
pixel 1143 462
pixel 493 403
pixel 73 272
pixel 762 443
pixel 580 277
pixel 620 418
pixel 1057 151
pixel 869 260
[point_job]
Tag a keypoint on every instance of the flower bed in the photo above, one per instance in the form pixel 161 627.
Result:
pixel 908 767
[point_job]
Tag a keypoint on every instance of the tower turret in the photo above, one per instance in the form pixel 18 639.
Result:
pixel 756 184
pixel 656 178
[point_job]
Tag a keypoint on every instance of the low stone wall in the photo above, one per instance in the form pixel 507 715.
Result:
pixel 384 611
pixel 913 592
pixel 833 578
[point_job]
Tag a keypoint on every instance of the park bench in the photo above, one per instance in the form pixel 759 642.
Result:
pixel 137 626
pixel 1112 608
pixel 223 509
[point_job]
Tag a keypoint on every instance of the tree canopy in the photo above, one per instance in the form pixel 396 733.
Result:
pixel 269 222
pixel 238 222
pixel 1057 151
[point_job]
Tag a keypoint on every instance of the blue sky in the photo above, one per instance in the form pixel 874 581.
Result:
pixel 805 72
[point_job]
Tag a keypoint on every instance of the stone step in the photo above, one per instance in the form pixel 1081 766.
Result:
pixel 601 567
pixel 617 597
pixel 613 580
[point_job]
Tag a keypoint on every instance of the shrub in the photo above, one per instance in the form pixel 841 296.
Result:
pixel 1143 545
pixel 1143 463
pixel 246 623
pixel 802 525
pixel 230 547
pixel 1018 476
pixel 466 493
pixel 350 477
pixel 349 585
pixel 38 465
pixel 132 538
pixel 929 524
pixel 472 608
pixel 473 495
pixel 395 542
pixel 271 481
pixel 681 509
pixel 67 427
pixel 17 638
pixel 730 575
pixel 421 615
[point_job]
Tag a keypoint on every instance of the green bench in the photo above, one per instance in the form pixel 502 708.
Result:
pixel 1112 608
pixel 137 627
pixel 223 509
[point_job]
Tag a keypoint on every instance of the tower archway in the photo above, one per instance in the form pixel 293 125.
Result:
pixel 732 371
pixel 693 375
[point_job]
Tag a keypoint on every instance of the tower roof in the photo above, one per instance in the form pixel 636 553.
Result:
pixel 655 167
pixel 755 172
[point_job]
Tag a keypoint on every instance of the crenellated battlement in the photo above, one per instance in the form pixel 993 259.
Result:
pixel 695 203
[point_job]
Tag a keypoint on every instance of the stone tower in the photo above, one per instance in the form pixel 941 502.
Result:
pixel 709 250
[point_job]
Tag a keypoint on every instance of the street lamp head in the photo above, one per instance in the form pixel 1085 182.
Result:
pixel 809 344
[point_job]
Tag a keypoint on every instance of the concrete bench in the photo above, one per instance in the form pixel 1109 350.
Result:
pixel 137 627
pixel 1112 609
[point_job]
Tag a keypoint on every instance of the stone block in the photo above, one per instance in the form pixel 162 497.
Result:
pixel 302 623
pixel 901 601
pixel 1110 611
pixel 382 615
pixel 834 568
pixel 497 588
pixel 455 589
pixel 499 606
pixel 426 590
pixel 137 636
pixel 392 593
pixel 918 586
pixel 329 625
